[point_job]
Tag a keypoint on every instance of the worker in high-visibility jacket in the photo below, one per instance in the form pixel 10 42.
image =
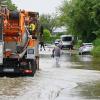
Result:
pixel 31 28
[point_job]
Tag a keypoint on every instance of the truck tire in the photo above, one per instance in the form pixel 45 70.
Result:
pixel 37 62
pixel 33 67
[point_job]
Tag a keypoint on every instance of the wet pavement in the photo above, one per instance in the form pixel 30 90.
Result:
pixel 76 77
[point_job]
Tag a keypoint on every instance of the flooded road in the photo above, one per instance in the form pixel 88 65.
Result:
pixel 76 77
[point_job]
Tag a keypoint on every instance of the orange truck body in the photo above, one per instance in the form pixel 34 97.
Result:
pixel 18 44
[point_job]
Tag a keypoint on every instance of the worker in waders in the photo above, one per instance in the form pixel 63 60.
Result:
pixel 56 53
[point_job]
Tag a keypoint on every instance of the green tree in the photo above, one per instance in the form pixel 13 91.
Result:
pixel 11 6
pixel 46 35
pixel 82 18
pixel 48 22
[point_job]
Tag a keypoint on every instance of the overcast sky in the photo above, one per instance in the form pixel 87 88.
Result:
pixel 41 6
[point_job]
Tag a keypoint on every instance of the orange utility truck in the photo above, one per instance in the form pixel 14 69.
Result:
pixel 18 48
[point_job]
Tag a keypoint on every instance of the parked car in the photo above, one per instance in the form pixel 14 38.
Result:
pixel 57 41
pixel 86 48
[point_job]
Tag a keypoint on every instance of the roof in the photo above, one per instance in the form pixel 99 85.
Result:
pixel 66 35
pixel 59 29
pixel 87 43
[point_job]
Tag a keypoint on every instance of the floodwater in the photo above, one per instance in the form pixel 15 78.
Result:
pixel 76 77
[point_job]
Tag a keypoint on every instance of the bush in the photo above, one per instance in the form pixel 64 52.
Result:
pixel 96 51
pixel 77 45
pixel 46 35
pixel 97 42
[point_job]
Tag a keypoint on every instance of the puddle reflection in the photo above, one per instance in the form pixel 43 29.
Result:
pixel 86 58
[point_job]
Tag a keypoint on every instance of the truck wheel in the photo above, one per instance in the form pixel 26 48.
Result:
pixel 37 62
pixel 33 67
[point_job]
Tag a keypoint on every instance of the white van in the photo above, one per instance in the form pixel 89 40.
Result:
pixel 67 41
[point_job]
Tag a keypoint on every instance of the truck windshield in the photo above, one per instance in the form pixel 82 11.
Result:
pixel 66 38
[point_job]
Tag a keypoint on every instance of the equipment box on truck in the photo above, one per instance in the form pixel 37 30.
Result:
pixel 67 41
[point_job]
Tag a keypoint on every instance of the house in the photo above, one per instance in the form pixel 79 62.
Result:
pixel 61 29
